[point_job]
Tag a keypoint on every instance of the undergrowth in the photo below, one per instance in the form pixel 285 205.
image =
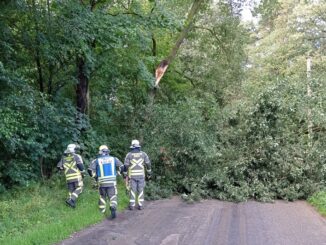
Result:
pixel 318 200
pixel 38 214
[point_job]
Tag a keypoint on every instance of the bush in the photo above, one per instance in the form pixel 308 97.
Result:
pixel 32 143
pixel 256 150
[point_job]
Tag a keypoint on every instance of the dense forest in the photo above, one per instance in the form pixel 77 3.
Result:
pixel 238 114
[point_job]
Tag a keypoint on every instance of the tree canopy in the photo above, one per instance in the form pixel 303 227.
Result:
pixel 235 115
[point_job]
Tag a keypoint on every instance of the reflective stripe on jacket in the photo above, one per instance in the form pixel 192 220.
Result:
pixel 71 170
pixel 106 170
pixel 136 167
pixel 135 163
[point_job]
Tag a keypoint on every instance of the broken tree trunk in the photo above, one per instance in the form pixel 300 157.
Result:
pixel 162 67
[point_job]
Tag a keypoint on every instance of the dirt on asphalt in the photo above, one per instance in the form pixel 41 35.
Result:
pixel 174 222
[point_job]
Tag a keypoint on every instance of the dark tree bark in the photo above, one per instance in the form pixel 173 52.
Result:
pixel 154 47
pixel 39 70
pixel 82 86
pixel 82 90
pixel 37 50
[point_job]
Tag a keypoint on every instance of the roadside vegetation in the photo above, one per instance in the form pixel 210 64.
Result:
pixel 39 215
pixel 318 200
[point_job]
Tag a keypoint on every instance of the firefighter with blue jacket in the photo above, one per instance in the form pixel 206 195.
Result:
pixel 73 167
pixel 135 164
pixel 104 170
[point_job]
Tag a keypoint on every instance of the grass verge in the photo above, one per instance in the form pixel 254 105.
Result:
pixel 39 215
pixel 318 200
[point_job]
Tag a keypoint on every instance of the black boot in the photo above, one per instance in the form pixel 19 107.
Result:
pixel 113 212
pixel 71 203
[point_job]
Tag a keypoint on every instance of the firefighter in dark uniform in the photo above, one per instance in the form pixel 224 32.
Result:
pixel 134 168
pixel 73 167
pixel 104 170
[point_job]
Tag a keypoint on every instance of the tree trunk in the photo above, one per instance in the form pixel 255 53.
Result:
pixel 309 95
pixel 82 90
pixel 39 70
pixel 82 87
pixel 37 50
pixel 41 160
pixel 162 67
pixel 154 47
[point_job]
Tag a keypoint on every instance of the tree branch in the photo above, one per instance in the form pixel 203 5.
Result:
pixel 214 34
pixel 154 6
pixel 186 77
pixel 93 4
pixel 131 13
pixel 182 35
pixel 154 47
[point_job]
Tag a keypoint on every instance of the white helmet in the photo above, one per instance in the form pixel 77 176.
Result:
pixel 103 149
pixel 71 148
pixel 135 144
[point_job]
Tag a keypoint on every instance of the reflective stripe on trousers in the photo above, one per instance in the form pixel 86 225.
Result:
pixel 136 188
pixel 75 189
pixel 109 192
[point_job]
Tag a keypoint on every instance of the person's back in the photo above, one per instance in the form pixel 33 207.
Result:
pixel 71 163
pixel 104 170
pixel 73 167
pixel 136 160
pixel 134 167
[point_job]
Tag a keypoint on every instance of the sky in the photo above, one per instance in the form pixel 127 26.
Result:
pixel 246 14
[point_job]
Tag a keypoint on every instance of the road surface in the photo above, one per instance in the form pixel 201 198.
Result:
pixel 173 222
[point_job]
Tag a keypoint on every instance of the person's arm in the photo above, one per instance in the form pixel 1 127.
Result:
pixel 124 169
pixel 148 165
pixel 79 162
pixel 60 164
pixel 119 166
pixel 92 169
pixel 126 165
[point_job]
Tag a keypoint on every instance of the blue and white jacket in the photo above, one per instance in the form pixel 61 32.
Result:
pixel 104 170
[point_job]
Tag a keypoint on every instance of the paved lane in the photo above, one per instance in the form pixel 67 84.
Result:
pixel 210 222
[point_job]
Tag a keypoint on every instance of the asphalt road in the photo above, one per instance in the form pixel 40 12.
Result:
pixel 173 222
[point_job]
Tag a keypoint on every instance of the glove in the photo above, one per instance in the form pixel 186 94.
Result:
pixel 89 171
pixel 127 189
pixel 125 175
pixel 149 174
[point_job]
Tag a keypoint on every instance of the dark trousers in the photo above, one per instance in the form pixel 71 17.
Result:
pixel 110 193
pixel 137 189
pixel 75 188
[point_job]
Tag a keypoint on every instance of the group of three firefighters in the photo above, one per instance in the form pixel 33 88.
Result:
pixel 104 169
